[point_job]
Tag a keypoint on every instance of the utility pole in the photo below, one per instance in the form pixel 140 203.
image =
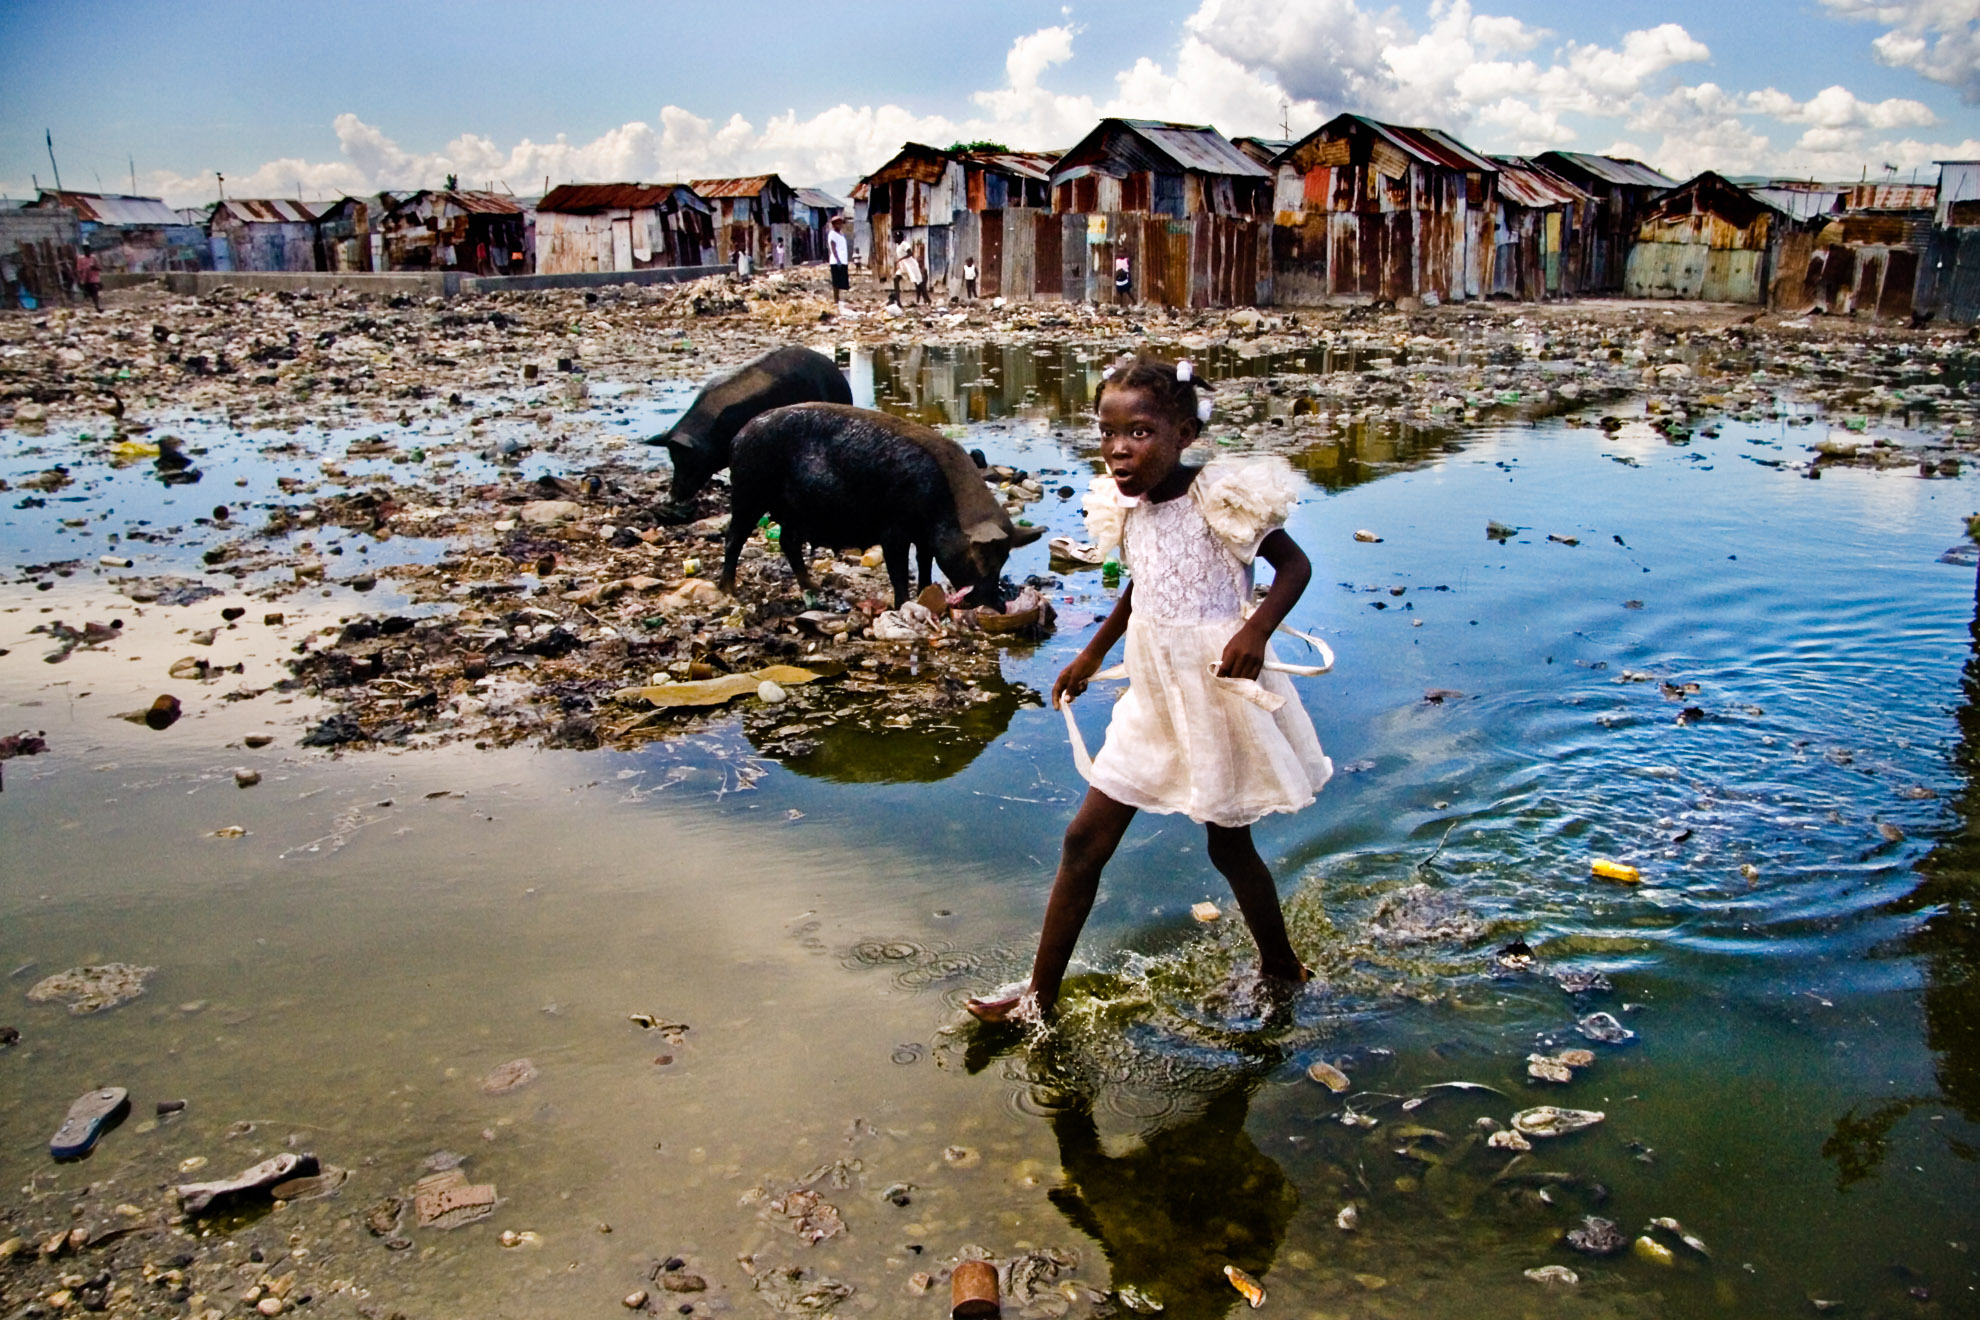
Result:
pixel 50 136
pixel 1285 122
pixel 133 164
pixel 222 180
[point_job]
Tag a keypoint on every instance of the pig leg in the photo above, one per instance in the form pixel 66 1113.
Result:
pixel 794 556
pixel 740 527
pixel 895 547
pixel 924 556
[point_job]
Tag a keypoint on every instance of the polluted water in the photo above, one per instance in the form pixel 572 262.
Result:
pixel 673 1021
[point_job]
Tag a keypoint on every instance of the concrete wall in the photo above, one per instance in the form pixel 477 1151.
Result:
pixel 423 283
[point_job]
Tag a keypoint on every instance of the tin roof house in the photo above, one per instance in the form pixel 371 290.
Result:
pixel 622 226
pixel 133 235
pixel 1622 188
pixel 1708 238
pixel 751 214
pixel 251 233
pixel 1540 227
pixel 479 233
pixel 1377 212
pixel 952 207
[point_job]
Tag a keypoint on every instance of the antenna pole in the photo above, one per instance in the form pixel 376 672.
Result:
pixel 133 164
pixel 50 136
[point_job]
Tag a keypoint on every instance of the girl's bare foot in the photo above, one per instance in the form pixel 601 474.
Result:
pixel 1008 1003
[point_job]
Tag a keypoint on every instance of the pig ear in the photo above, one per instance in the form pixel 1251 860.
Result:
pixel 985 532
pixel 1024 535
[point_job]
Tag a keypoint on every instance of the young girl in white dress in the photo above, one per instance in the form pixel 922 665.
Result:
pixel 1190 735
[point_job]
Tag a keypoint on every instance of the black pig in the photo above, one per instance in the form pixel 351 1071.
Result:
pixel 838 476
pixel 700 441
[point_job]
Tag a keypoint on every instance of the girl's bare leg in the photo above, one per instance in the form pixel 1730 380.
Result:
pixel 1095 832
pixel 1232 852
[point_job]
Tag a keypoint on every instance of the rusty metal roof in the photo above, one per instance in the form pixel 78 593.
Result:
pixel 1197 147
pixel 1430 145
pixel 1892 197
pixel 589 198
pixel 915 160
pixel 749 186
pixel 1020 164
pixel 1524 182
pixel 1153 144
pixel 1800 200
pixel 1710 194
pixel 1611 169
pixel 475 203
pixel 270 210
pixel 818 198
pixel 112 208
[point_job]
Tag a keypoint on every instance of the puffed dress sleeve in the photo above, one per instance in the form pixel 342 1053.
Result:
pixel 1106 514
pixel 1245 502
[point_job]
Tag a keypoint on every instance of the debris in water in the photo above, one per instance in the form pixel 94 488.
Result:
pixel 1507 1139
pixel 1205 911
pixel 446 1200
pixel 1604 1028
pixel 1367 537
pixel 1648 1248
pixel 1136 1300
pixel 196 1198
pixel 973 1290
pixel 1553 1276
pixel 1327 1075
pixel 1670 1225
pixel 1348 1219
pixel 1246 1285
pixel 1597 1237
pixel 92 989
pixel 1547 1068
pixel 1548 1121
pixel 1605 869
pixel 1583 983
pixel 511 1076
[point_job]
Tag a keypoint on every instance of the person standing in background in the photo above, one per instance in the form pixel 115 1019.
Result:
pixel 89 275
pixel 969 278
pixel 837 259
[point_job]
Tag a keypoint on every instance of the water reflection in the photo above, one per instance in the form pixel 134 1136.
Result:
pixel 954 384
pixel 919 734
pixel 1171 1208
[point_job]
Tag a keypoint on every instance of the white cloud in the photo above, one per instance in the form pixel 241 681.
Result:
pixel 1494 80
pixel 1936 39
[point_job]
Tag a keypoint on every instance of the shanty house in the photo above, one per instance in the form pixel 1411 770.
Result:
pixel 1860 257
pixel 953 206
pixel 1189 211
pixel 481 233
pixel 1367 210
pixel 1706 238
pixel 132 234
pixel 1949 286
pixel 1622 188
pixel 622 226
pixel 37 254
pixel 812 211
pixel 750 214
pixel 253 233
pixel 1263 150
pixel 352 231
pixel 1537 233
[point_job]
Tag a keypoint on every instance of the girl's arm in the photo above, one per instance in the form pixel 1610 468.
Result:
pixel 1244 654
pixel 1072 679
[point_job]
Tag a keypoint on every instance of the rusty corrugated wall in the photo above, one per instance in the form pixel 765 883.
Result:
pixel 1949 285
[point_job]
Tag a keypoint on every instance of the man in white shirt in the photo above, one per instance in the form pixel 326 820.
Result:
pixel 837 260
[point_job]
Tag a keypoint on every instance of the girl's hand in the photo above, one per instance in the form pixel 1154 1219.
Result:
pixel 1244 654
pixel 1073 678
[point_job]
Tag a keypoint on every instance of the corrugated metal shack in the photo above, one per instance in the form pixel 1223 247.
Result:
pixel 456 229
pixel 812 210
pixel 1540 227
pixel 622 226
pixel 1707 238
pixel 133 235
pixel 949 207
pixel 1949 285
pixel 37 254
pixel 1262 150
pixel 1190 212
pixel 1859 257
pixel 351 230
pixel 1622 188
pixel 751 213
pixel 257 233
pixel 1374 211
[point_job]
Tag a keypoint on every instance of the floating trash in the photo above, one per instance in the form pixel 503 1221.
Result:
pixel 1670 1225
pixel 1508 1140
pixel 1603 1028
pixel 1553 1276
pixel 1328 1075
pixel 1620 872
pixel 1648 1248
pixel 1136 1300
pixel 1549 1121
pixel 1246 1285
pixel 1205 911
pixel 1348 1219
pixel 1583 983
pixel 92 989
pixel 511 1076
pixel 1596 1237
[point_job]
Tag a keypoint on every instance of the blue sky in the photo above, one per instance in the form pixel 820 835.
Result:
pixel 360 96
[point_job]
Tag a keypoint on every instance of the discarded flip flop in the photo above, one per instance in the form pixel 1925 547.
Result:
pixel 1078 552
pixel 88 1116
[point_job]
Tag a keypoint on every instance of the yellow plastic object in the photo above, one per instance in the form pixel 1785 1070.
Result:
pixel 129 450
pixel 1617 871
pixel 727 687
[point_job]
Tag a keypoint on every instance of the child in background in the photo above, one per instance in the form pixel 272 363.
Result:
pixel 1183 738
pixel 969 279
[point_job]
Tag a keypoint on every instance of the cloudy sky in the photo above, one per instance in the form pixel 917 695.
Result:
pixel 357 96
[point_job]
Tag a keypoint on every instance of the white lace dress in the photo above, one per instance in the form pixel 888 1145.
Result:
pixel 1179 740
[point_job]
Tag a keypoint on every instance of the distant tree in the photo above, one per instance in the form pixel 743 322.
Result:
pixel 958 148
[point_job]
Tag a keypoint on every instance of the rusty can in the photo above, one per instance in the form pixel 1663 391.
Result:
pixel 973 1290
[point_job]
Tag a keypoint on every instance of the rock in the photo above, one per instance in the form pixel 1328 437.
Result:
pixel 541 513
pixel 1603 1028
pixel 1597 1237
pixel 769 693
pixel 246 778
pixel 634 1301
pixel 1328 1075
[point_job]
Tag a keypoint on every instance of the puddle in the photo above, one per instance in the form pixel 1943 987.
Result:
pixel 1802 1093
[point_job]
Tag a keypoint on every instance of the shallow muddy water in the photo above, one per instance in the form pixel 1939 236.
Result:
pixel 1802 1091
